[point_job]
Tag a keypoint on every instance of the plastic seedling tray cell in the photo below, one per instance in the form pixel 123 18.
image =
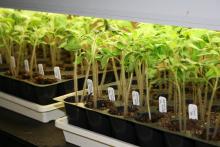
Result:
pixel 37 93
pixel 40 94
pixel 150 133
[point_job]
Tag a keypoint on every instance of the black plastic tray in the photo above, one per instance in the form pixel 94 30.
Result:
pixel 147 134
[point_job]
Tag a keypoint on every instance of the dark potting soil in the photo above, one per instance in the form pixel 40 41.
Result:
pixel 213 121
pixel 166 120
pixel 69 68
pixel 119 110
pixel 144 117
pixel 116 110
pixel 211 137
pixel 37 78
pixel 49 72
pixel 154 102
pixel 189 101
pixel 70 76
pixel 169 108
pixel 193 127
pixel 102 104
pixel 43 80
pixel 67 77
pixel 24 76
pixel 215 108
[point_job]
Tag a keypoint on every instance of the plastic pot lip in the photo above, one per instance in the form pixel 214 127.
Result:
pixel 153 126
pixel 34 84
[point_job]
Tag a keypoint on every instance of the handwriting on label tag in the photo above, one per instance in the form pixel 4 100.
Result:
pixel 135 98
pixel 162 104
pixel 111 94
pixel 57 73
pixel 12 62
pixel 41 69
pixel 90 86
pixel 1 61
pixel 26 66
pixel 193 111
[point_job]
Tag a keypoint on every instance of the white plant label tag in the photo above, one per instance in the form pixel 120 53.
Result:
pixel 111 94
pixel 12 62
pixel 90 86
pixel 193 111
pixel 162 104
pixel 26 66
pixel 1 62
pixel 135 98
pixel 57 73
pixel 41 69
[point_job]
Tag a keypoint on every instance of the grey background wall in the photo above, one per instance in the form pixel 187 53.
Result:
pixel 190 13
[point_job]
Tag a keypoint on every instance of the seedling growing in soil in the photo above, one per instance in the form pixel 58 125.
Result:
pixel 72 44
pixel 20 37
pixel 6 35
pixel 92 42
pixel 36 33
pixel 183 63
pixel 56 31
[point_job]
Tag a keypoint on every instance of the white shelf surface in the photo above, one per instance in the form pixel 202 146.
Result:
pixel 86 138
pixel 189 13
pixel 42 113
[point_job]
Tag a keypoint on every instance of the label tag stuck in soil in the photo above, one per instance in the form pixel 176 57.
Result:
pixel 162 104
pixel 57 73
pixel 1 62
pixel 12 62
pixel 135 98
pixel 111 94
pixel 90 86
pixel 26 65
pixel 41 69
pixel 193 111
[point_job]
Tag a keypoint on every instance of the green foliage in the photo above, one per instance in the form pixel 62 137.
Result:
pixel 189 53
pixel 180 49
